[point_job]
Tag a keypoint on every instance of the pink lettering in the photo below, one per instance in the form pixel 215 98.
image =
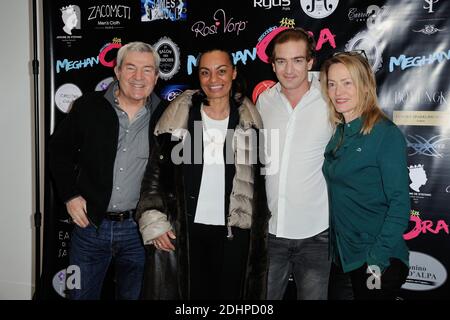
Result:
pixel 441 225
pixel 104 52
pixel 416 230
pixel 427 226
pixel 424 227
pixel 325 36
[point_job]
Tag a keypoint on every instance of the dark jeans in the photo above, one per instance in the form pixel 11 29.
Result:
pixel 390 282
pixel 307 259
pixel 217 265
pixel 92 251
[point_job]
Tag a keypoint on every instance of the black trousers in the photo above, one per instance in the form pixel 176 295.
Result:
pixel 340 284
pixel 217 265
pixel 365 286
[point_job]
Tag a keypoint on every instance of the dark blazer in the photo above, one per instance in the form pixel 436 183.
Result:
pixel 82 152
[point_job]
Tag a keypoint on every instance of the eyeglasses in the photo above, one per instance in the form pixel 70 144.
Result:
pixel 352 53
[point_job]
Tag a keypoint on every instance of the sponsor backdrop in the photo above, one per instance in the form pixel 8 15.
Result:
pixel 407 43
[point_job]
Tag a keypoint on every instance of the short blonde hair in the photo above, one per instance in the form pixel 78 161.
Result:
pixel 366 88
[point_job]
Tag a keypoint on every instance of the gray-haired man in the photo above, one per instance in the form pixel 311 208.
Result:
pixel 98 157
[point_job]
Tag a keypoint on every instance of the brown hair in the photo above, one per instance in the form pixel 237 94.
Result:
pixel 295 34
pixel 366 88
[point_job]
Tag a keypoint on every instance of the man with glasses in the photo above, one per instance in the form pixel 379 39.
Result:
pixel 297 192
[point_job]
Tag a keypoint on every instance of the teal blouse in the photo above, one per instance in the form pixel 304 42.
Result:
pixel 368 191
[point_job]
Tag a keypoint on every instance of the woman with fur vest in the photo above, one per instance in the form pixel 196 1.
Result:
pixel 203 214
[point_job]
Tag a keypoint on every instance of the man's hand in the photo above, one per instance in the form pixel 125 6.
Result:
pixel 77 211
pixel 163 242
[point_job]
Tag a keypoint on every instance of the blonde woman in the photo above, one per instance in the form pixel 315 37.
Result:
pixel 366 172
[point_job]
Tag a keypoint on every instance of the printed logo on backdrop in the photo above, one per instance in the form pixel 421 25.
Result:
pixel 170 92
pixel 357 15
pixel 288 23
pixel 66 221
pixel 108 53
pixel 425 272
pixel 71 21
pixel 269 4
pixel 67 279
pixel 363 41
pixel 428 29
pixel 65 95
pixel 221 24
pixel 104 84
pixel 436 146
pixel 404 62
pixel 261 87
pixel 170 57
pixel 325 36
pixel 173 10
pixel 420 97
pixel 242 56
pixel 239 56
pixel 109 16
pixel 421 118
pixel 105 58
pixel 429 5
pixel 63 239
pixel 67 65
pixel 424 226
pixel 319 9
pixel 418 177
pixel 368 40
pixel 71 17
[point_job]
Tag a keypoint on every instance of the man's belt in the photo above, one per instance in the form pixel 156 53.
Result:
pixel 120 216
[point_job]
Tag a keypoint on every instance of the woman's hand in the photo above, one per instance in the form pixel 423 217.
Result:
pixel 163 242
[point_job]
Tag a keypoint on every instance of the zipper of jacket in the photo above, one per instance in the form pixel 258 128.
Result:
pixel 230 235
pixel 188 281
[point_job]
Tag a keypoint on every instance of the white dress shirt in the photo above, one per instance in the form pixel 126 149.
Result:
pixel 296 188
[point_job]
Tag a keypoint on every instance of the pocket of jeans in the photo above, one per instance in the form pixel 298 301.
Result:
pixel 89 230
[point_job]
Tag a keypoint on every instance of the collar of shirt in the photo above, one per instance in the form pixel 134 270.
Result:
pixel 314 89
pixel 353 127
